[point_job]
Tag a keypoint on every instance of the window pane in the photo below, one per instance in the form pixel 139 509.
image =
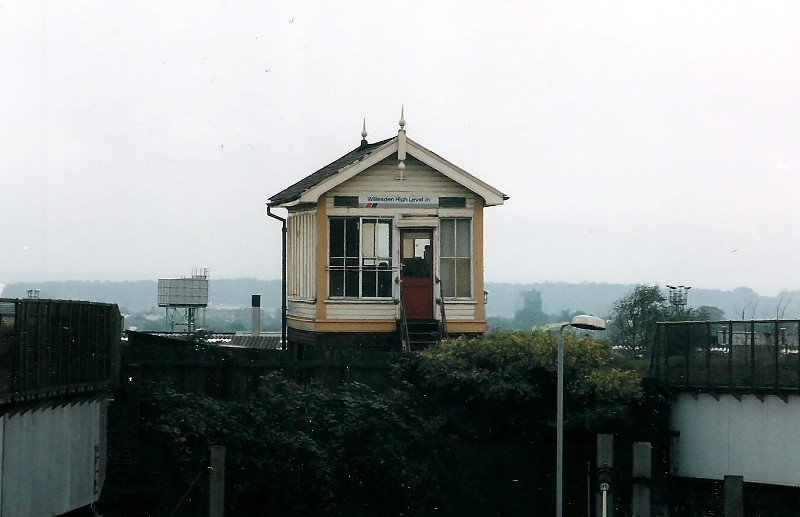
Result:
pixel 448 237
pixel 422 248
pixel 351 283
pixel 408 248
pixel 385 283
pixel 384 239
pixel 462 238
pixel 448 277
pixel 351 237
pixel 337 283
pixel 367 239
pixel 337 238
pixel 360 257
pixel 463 277
pixel 369 283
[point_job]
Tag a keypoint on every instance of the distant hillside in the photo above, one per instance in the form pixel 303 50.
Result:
pixel 504 299
pixel 141 295
pixel 740 303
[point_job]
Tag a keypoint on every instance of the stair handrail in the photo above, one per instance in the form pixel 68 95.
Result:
pixel 405 344
pixel 440 302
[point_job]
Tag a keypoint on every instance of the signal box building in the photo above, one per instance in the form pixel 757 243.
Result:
pixel 384 248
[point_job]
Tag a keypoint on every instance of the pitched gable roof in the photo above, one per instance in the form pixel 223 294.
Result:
pixel 311 187
pixel 295 191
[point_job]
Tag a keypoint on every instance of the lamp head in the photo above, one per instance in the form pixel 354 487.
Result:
pixel 586 322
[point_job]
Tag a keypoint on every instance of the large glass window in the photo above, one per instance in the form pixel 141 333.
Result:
pixel 360 257
pixel 456 257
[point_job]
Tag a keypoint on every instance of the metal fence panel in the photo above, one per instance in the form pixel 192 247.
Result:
pixel 51 347
pixel 757 354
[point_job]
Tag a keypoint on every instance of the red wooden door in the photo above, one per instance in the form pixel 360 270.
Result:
pixel 416 259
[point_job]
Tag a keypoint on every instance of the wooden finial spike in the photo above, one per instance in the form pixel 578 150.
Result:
pixel 364 133
pixel 402 117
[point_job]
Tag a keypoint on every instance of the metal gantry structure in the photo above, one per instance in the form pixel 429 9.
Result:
pixel 182 298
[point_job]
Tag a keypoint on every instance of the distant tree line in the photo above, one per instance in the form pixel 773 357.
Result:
pixel 632 321
pixel 531 315
pixel 505 299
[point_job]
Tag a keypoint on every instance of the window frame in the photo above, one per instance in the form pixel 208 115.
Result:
pixel 361 268
pixel 443 258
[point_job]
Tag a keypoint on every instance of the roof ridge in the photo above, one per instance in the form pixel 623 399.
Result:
pixel 297 189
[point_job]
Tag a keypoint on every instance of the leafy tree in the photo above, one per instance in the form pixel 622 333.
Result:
pixel 708 313
pixel 634 318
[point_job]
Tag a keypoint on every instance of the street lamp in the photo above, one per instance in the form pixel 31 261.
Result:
pixel 584 322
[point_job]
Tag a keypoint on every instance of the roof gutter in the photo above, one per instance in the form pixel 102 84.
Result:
pixel 284 343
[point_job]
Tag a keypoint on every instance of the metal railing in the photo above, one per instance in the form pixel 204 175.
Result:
pixel 55 347
pixel 440 302
pixel 753 355
pixel 405 339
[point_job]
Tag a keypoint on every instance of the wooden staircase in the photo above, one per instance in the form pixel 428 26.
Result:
pixel 423 334
pixel 419 334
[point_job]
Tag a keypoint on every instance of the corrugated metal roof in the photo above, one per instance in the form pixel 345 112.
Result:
pixel 266 341
pixel 295 191
pixel 269 342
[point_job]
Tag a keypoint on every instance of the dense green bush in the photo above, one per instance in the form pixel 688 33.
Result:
pixel 503 385
pixel 302 449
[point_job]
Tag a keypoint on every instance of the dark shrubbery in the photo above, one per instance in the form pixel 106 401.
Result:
pixel 302 449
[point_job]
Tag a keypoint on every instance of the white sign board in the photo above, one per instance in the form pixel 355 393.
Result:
pixel 398 201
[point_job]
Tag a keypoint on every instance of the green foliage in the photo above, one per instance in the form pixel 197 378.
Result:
pixel 302 449
pixel 710 313
pixel 302 445
pixel 634 318
pixel 502 385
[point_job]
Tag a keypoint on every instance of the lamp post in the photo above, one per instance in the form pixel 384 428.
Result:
pixel 581 322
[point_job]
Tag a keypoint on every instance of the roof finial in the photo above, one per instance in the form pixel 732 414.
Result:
pixel 364 133
pixel 402 117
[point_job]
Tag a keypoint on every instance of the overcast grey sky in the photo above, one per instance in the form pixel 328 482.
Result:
pixel 639 141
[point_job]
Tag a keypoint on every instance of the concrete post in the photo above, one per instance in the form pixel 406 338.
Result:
pixel 216 496
pixel 642 472
pixel 734 496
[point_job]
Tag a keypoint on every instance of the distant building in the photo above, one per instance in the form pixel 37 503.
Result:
pixel 382 236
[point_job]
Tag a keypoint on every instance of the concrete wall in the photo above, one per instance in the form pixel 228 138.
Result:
pixel 747 437
pixel 53 458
